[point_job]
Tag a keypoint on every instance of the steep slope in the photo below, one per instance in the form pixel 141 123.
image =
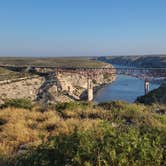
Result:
pixel 156 96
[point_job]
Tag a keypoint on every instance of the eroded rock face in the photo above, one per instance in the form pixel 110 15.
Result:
pixel 22 89
pixel 52 87
pixel 76 84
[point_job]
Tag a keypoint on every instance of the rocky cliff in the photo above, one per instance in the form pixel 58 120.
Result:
pixel 21 88
pixel 51 87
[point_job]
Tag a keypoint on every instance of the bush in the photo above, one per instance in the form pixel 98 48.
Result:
pixel 157 96
pixel 103 146
pixel 112 105
pixel 70 105
pixel 81 134
pixel 18 103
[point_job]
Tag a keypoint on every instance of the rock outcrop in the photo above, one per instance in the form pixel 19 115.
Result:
pixel 52 87
pixel 25 88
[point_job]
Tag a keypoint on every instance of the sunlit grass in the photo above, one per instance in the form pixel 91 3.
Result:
pixel 23 127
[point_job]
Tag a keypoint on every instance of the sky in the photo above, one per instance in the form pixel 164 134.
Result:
pixel 82 27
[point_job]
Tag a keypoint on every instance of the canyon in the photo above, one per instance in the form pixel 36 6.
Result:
pixel 51 87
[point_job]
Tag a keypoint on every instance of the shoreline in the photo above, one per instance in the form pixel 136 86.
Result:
pixel 97 88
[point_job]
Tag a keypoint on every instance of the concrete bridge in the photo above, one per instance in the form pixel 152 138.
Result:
pixel 146 74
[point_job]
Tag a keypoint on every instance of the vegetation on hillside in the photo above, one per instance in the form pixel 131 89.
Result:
pixel 58 62
pixel 6 74
pixel 18 103
pixel 82 134
pixel 16 72
pixel 157 96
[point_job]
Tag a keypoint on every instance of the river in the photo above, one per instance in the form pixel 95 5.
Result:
pixel 124 88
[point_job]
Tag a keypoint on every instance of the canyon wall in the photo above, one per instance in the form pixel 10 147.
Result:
pixel 51 88
pixel 137 61
pixel 25 88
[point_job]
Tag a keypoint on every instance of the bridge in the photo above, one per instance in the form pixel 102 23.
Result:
pixel 146 74
pixel 143 73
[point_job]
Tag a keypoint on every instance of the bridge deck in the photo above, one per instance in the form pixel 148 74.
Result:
pixel 138 72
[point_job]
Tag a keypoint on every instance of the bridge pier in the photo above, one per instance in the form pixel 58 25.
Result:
pixel 146 86
pixel 90 89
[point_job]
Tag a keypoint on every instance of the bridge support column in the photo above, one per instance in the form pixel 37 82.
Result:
pixel 146 86
pixel 90 89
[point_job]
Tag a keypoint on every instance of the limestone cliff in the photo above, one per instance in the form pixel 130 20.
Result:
pixel 21 88
pixel 51 87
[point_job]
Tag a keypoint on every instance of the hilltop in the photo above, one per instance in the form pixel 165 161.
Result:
pixel 58 62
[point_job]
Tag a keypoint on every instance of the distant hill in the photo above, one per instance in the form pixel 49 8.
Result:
pixel 139 61
pixel 54 61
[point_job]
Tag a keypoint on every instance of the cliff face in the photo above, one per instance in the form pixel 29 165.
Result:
pixel 76 84
pixel 27 88
pixel 51 88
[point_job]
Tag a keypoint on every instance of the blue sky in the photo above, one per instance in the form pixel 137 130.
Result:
pixel 82 27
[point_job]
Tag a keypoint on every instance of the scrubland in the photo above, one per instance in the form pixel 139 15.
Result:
pixel 85 134
pixel 58 62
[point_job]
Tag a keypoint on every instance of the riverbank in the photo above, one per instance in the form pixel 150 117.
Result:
pixel 96 89
pixel 125 87
pixel 157 96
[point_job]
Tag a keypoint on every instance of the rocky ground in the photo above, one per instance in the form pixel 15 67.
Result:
pixel 21 89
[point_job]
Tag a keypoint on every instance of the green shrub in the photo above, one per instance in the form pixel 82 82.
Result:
pixel 157 96
pixel 18 103
pixel 70 105
pixel 103 146
pixel 112 105
pixel 83 134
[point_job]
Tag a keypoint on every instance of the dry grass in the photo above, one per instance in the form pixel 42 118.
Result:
pixel 20 127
